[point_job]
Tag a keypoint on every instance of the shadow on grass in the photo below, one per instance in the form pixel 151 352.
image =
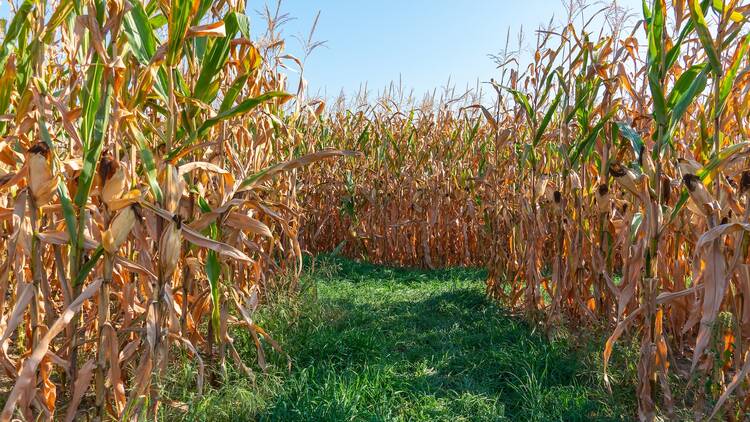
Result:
pixel 428 345
pixel 372 343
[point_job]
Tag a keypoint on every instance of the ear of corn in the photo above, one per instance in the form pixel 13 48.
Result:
pixel 113 180
pixel 119 230
pixel 41 182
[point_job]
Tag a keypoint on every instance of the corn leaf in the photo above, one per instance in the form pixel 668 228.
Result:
pixel 139 33
pixel 93 150
pixel 88 266
pixel 687 88
pixel 179 20
pixel 148 162
pixel 727 82
pixel 547 118
pixel 215 59
pixel 699 20
pixel 636 142
pixel 522 100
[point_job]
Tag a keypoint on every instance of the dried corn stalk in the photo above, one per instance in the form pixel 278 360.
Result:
pixel 607 184
pixel 145 196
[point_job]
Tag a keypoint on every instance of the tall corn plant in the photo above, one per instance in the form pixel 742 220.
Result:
pixel 608 185
pixel 136 156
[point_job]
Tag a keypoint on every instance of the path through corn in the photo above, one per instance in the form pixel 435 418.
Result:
pixel 389 345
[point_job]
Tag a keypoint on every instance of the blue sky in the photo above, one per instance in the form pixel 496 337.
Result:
pixel 422 42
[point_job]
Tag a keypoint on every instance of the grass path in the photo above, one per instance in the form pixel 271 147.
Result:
pixel 377 344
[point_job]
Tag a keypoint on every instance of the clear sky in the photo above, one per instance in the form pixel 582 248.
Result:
pixel 422 42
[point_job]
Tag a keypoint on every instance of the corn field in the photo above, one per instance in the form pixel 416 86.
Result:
pixel 414 203
pixel 606 183
pixel 148 200
pixel 154 186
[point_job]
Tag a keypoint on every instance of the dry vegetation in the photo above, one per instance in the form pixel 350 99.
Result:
pixel 609 183
pixel 147 198
pixel 150 162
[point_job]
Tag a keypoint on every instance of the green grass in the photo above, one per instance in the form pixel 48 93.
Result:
pixel 370 343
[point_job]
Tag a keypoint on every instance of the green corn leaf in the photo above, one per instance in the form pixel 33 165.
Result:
pixel 200 45
pixel 582 150
pixel 547 87
pixel 19 21
pixel 90 98
pixel 627 132
pixel 674 52
pixel 93 150
pixel 7 80
pixel 579 105
pixel 727 81
pixel 18 25
pixel 655 49
pixel 364 138
pixel 87 267
pixel 148 162
pixel 44 131
pixel 684 82
pixel 684 196
pixel 213 271
pixel 68 212
pixel 687 88
pixel 655 33
pixel 524 102
pixel 635 225
pixel 734 15
pixel 158 21
pixel 212 268
pixel 298 162
pixel 659 102
pixel 731 37
pixel 139 33
pixel 708 172
pixel 547 118
pixel 233 92
pixel 241 108
pixel 216 58
pixel 203 8
pixel 62 190
pixel 25 67
pixel 699 20
pixel 646 11
pixel 179 20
